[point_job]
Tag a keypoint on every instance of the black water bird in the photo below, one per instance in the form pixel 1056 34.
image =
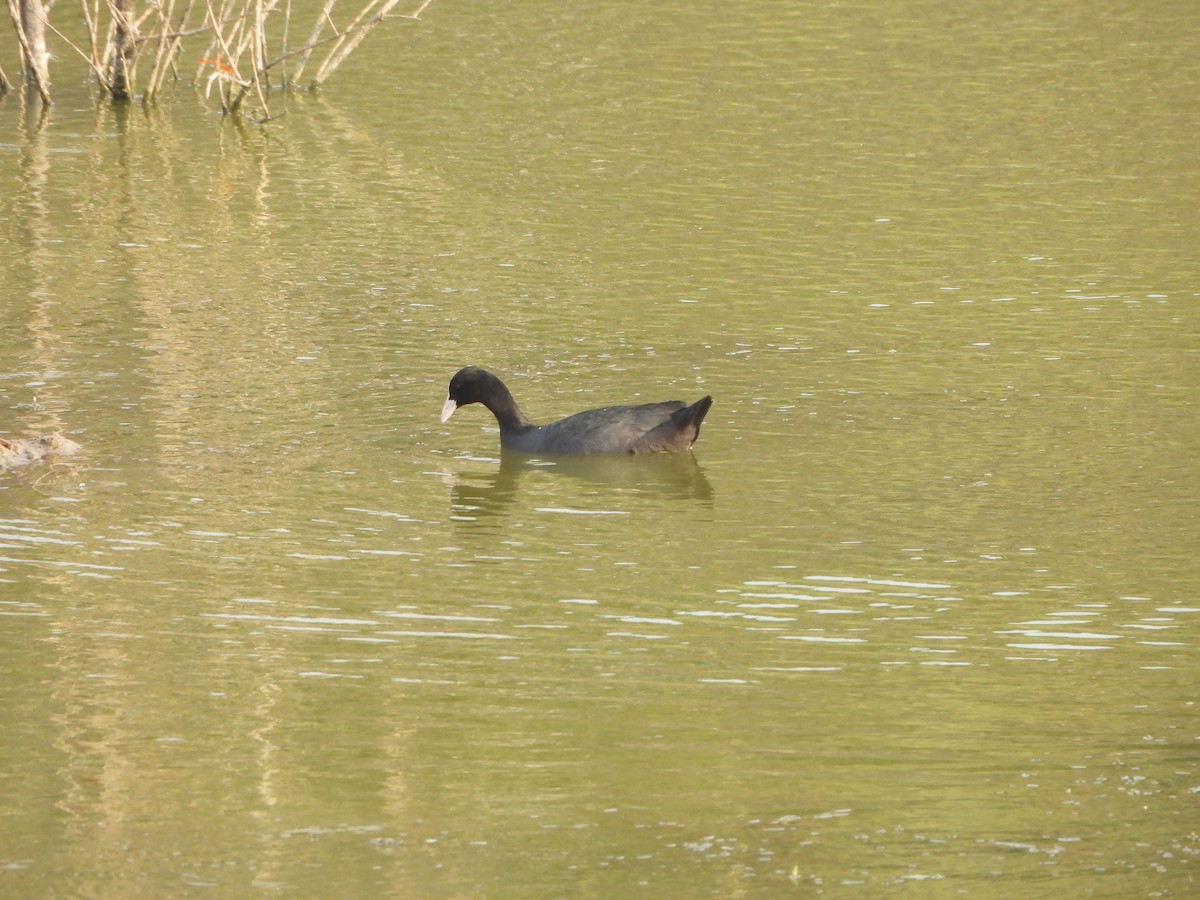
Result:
pixel 649 428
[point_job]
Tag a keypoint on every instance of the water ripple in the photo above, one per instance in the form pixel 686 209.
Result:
pixel 871 621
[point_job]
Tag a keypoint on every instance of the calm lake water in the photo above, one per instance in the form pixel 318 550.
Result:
pixel 919 615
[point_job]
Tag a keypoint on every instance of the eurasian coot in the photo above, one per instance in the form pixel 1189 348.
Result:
pixel 649 428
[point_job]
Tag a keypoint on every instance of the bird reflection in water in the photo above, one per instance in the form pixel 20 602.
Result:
pixel 668 476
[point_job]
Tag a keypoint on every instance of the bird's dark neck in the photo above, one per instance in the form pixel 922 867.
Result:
pixel 506 411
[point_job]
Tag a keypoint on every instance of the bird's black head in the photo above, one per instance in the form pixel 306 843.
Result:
pixel 471 385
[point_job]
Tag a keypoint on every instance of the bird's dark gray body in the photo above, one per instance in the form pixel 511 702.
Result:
pixel 647 428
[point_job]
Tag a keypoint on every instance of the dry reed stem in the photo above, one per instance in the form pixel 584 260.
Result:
pixel 314 38
pixel 168 47
pixel 352 36
pixel 30 16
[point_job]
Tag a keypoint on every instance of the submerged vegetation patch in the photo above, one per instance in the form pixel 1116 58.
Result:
pixel 239 51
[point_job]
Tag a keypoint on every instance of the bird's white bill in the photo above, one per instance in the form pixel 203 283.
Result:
pixel 449 408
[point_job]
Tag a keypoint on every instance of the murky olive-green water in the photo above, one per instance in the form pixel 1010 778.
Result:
pixel 919 615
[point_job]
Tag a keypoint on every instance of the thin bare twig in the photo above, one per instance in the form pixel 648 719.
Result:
pixel 97 69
